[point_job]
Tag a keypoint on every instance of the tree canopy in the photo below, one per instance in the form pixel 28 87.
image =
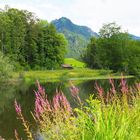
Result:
pixel 113 50
pixel 29 41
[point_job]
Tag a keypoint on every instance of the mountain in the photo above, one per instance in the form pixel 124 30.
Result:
pixel 134 37
pixel 77 36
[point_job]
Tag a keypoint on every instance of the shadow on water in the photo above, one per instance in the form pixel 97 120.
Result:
pixel 24 94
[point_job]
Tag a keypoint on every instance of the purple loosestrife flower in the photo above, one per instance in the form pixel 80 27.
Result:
pixel 124 86
pixel 38 107
pixel 99 89
pixel 65 103
pixel 112 90
pixel 17 108
pixel 74 90
pixel 56 102
pixel 43 107
pixel 41 90
pixel 41 102
pixel 60 102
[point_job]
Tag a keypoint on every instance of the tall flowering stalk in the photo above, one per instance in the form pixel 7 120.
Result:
pixel 60 102
pixel 24 123
pixel 124 86
pixel 75 92
pixel 112 89
pixel 42 104
pixel 16 135
pixel 111 95
pixel 48 113
pixel 99 89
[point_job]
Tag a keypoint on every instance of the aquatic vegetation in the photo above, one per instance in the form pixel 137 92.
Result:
pixel 113 114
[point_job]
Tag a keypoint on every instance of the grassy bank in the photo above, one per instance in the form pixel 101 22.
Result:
pixel 79 72
pixel 75 74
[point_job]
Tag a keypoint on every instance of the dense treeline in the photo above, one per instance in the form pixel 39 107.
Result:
pixel 113 50
pixel 30 42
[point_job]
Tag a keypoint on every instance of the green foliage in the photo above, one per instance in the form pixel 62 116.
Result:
pixel 113 121
pixel 30 42
pixel 113 50
pixel 6 68
pixel 55 47
pixel 76 44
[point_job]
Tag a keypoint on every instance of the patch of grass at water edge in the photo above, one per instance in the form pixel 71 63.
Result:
pixel 65 75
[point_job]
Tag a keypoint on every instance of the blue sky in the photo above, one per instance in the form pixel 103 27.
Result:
pixel 92 13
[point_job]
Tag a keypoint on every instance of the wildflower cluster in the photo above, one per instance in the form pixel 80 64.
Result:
pixel 113 115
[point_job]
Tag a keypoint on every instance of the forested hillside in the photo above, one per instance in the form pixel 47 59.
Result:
pixel 30 42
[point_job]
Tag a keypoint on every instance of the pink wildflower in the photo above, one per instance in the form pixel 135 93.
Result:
pixel 112 90
pixel 124 86
pixel 41 90
pixel 17 108
pixel 99 89
pixel 60 102
pixel 74 90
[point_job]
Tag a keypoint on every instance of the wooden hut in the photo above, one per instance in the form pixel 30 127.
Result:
pixel 67 66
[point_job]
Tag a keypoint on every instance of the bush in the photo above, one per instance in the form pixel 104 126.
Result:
pixel 6 68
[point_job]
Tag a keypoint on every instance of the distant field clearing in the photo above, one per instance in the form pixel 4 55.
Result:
pixel 75 63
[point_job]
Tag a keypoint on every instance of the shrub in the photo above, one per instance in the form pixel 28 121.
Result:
pixel 5 67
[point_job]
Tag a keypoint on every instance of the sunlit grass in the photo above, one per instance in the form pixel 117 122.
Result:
pixel 75 63
pixel 75 74
pixel 57 75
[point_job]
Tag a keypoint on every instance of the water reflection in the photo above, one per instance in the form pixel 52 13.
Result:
pixel 24 94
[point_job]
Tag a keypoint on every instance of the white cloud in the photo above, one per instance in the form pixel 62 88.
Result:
pixel 92 13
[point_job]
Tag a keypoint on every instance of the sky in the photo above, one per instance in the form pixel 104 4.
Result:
pixel 91 13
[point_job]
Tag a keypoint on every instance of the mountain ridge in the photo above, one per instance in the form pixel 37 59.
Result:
pixel 78 36
pixel 65 23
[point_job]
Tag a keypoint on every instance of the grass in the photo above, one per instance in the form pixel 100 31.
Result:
pixel 75 74
pixel 75 63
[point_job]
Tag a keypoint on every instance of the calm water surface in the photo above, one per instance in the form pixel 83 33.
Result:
pixel 24 94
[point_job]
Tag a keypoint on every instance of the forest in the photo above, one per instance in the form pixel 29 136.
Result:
pixel 30 43
pixel 114 49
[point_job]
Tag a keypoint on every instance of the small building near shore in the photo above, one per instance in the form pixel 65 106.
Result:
pixel 67 66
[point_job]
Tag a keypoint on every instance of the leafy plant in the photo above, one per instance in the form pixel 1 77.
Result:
pixel 6 68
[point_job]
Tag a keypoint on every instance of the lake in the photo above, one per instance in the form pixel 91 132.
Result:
pixel 24 94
